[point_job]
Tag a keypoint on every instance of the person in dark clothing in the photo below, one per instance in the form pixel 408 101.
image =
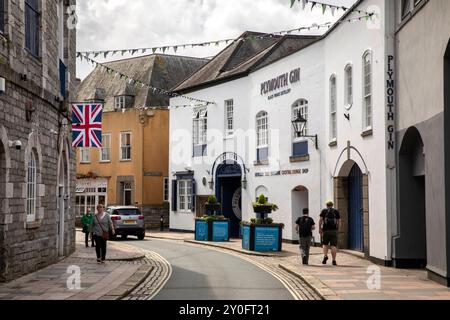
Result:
pixel 330 221
pixel 304 227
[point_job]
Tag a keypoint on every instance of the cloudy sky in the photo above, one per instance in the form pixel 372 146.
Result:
pixel 123 24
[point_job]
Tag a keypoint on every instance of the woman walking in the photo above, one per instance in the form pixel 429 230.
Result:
pixel 101 227
pixel 86 220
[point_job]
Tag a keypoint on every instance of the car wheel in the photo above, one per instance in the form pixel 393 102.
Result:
pixel 124 237
pixel 141 236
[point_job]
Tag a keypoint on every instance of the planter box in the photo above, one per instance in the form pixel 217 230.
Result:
pixel 262 238
pixel 216 231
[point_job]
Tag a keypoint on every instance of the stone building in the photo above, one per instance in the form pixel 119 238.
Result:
pixel 37 163
pixel 421 227
pixel 132 167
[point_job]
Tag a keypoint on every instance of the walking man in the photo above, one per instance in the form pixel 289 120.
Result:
pixel 304 227
pixel 330 221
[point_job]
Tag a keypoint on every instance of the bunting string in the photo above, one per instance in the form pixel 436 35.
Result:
pixel 175 48
pixel 325 6
pixel 140 84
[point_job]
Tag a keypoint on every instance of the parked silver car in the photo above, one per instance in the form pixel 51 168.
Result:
pixel 127 221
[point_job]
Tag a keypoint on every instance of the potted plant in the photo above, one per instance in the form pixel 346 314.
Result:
pixel 262 207
pixel 212 206
pixel 212 227
pixel 261 233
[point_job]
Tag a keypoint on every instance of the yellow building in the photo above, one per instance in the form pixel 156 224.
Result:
pixel 132 166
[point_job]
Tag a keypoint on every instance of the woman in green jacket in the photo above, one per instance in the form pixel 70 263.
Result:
pixel 86 220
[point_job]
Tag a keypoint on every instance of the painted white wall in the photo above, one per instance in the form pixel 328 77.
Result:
pixel 346 44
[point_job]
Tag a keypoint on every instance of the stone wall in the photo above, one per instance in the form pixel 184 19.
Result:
pixel 153 215
pixel 32 112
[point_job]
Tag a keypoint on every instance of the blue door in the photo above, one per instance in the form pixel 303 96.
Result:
pixel 355 210
pixel 230 197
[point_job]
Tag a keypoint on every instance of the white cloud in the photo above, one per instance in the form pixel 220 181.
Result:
pixel 119 24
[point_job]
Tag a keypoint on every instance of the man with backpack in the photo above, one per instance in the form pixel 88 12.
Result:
pixel 304 227
pixel 330 221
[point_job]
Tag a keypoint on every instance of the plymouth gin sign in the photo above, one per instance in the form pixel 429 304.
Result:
pixel 279 86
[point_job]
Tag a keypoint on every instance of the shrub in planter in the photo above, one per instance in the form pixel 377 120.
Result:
pixel 262 207
pixel 212 206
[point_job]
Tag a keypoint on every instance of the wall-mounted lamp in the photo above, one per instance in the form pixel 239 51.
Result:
pixel 299 124
pixel 211 184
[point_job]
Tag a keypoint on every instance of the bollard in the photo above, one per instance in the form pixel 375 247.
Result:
pixel 162 224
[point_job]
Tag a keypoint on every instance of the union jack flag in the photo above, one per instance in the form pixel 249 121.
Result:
pixel 87 125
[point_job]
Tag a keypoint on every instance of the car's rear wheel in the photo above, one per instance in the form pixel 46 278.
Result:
pixel 124 236
pixel 141 236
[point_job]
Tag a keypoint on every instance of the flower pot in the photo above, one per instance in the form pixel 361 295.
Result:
pixel 262 211
pixel 213 208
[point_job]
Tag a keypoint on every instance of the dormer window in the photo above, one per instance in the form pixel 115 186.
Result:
pixel 120 102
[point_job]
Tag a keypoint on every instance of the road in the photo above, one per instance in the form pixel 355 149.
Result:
pixel 205 274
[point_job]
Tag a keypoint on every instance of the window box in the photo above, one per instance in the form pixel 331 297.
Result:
pixel 33 225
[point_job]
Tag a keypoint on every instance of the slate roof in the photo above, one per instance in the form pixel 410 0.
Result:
pixel 242 57
pixel 159 70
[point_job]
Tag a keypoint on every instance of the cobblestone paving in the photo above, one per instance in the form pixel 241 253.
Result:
pixel 161 271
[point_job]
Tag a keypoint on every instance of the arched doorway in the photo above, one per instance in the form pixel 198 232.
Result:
pixel 411 243
pixel 229 194
pixel 300 201
pixel 352 202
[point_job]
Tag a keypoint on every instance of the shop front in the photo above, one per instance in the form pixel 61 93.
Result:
pixel 89 194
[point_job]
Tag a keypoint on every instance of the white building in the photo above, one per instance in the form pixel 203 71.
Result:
pixel 338 82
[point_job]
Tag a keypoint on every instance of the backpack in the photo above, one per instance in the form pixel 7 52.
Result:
pixel 305 227
pixel 330 221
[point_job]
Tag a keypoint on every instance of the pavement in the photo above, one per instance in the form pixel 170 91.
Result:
pixel 125 269
pixel 354 279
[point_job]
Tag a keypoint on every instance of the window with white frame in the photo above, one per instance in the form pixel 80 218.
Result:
pixel 200 127
pixel 367 91
pixel 125 146
pixel 348 86
pixel 229 117
pixel 262 130
pixel 333 109
pixel 300 107
pixel 31 188
pixel 119 102
pixel 166 190
pixel 85 155
pixel 185 195
pixel 106 148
